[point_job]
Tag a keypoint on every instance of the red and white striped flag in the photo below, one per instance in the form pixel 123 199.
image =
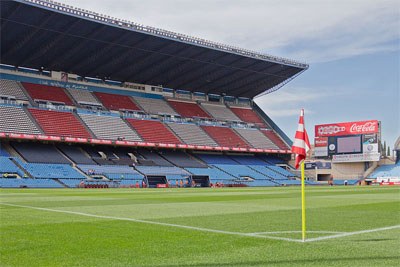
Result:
pixel 301 144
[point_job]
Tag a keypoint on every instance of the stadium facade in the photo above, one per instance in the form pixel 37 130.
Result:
pixel 90 99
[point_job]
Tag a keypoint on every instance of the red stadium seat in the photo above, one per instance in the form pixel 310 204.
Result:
pixel 117 102
pixel 248 115
pixel 59 123
pixel 188 109
pixel 225 136
pixel 154 131
pixel 274 138
pixel 48 93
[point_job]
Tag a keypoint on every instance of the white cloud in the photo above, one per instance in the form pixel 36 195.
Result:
pixel 285 112
pixel 306 30
pixel 312 31
pixel 291 96
pixel 288 102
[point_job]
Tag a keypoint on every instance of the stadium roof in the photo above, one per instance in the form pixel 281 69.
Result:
pixel 45 34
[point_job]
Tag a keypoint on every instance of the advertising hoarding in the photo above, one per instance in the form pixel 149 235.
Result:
pixel 348 141
pixel 347 128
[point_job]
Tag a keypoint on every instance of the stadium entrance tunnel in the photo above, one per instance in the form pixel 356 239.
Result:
pixel 201 180
pixel 155 180
pixel 323 177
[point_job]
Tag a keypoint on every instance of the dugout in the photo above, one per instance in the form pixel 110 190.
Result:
pixel 154 180
pixel 201 180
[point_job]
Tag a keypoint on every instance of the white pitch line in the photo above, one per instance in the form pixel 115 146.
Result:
pixel 296 232
pixel 206 229
pixel 352 233
pixel 155 223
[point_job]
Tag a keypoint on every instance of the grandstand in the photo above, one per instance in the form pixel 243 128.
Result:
pixel 165 120
pixel 387 171
pixel 128 145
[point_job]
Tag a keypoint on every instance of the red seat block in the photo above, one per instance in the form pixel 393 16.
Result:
pixel 49 93
pixel 116 102
pixel 188 109
pixel 59 123
pixel 225 136
pixel 248 115
pixel 275 138
pixel 154 131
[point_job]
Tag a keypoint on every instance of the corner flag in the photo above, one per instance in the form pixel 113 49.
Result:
pixel 301 146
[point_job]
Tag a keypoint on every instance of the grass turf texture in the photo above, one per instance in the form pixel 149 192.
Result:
pixel 31 237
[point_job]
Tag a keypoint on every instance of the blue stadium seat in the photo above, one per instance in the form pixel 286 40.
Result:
pixel 43 170
pixel 386 171
pixel 28 182
pixel 7 166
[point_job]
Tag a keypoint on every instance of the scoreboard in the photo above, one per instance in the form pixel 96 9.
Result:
pixel 348 141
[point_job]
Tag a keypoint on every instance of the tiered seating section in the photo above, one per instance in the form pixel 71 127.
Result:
pixel 170 173
pixel 111 171
pixel 256 139
pixel 12 88
pixel 183 160
pixel 38 153
pixel 40 165
pixel 271 135
pixel 250 170
pixel 188 109
pixel 155 105
pixel 76 154
pixel 16 120
pixel 194 131
pixel 154 131
pixel 215 175
pixel 84 97
pixel 8 167
pixel 386 171
pixel 220 112
pixel 30 183
pixel 109 127
pixel 48 93
pixel 117 102
pixel 59 123
pixel 225 136
pixel 150 158
pixel 51 171
pixel 248 115
pixel 191 134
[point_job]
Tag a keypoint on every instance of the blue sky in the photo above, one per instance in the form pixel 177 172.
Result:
pixel 352 46
pixel 362 87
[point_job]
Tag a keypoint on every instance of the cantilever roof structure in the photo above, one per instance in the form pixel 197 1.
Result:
pixel 45 34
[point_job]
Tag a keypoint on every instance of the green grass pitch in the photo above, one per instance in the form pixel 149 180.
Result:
pixel 347 226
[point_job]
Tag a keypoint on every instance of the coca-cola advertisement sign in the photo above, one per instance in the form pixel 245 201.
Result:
pixel 347 128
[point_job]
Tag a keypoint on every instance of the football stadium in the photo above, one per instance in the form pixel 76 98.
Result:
pixel 128 145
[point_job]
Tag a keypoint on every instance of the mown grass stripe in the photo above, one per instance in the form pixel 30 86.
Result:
pixel 155 223
pixel 353 233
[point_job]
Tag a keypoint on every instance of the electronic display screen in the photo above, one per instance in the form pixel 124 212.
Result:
pixel 349 144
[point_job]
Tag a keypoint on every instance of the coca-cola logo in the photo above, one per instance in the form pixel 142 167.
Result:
pixel 347 128
pixel 331 129
pixel 363 128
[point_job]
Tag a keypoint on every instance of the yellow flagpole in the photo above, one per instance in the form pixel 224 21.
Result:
pixel 303 204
